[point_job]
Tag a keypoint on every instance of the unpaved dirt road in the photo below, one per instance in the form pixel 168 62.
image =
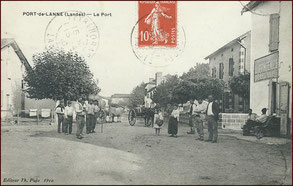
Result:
pixel 124 154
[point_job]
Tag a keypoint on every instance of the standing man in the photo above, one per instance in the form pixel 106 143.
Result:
pixel 80 117
pixel 60 113
pixel 89 117
pixel 191 116
pixel 68 114
pixel 200 110
pixel 212 116
pixel 96 114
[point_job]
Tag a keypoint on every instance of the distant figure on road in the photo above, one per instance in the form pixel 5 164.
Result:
pixel 80 110
pixel 159 120
pixel 68 114
pixel 60 113
pixel 212 116
pixel 173 122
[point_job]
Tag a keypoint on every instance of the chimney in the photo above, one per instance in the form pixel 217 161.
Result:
pixel 159 78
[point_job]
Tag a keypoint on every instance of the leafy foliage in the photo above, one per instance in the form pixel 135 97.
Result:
pixel 60 75
pixel 137 95
pixel 198 88
pixel 164 92
pixel 201 70
pixel 240 85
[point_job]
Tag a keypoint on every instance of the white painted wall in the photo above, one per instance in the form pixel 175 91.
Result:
pixel 285 47
pixel 259 91
pixel 12 71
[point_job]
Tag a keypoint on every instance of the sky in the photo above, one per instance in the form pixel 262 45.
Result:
pixel 207 25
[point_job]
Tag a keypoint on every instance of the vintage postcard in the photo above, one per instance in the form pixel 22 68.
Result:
pixel 146 93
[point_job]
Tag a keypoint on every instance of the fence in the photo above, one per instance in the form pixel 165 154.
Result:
pixel 36 116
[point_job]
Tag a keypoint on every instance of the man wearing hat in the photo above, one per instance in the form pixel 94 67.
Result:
pixel 60 113
pixel 68 114
pixel 80 110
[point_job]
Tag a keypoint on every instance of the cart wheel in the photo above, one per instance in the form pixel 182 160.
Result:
pixel 259 134
pixel 131 117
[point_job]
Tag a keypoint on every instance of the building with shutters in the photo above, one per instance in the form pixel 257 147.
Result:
pixel 271 58
pixel 14 65
pixel 231 60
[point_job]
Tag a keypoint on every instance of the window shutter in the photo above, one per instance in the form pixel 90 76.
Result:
pixel 221 71
pixel 274 32
pixel 231 66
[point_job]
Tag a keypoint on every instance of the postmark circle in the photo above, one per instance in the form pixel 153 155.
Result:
pixel 157 56
pixel 74 32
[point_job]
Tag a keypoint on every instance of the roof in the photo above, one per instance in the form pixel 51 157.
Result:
pixel 249 6
pixel 11 42
pixel 153 88
pixel 120 96
pixel 228 45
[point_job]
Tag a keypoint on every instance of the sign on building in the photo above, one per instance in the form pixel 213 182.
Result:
pixel 266 67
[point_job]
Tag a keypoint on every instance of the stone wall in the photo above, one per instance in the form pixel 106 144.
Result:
pixel 232 120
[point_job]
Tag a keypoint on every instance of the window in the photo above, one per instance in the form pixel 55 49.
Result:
pixel 231 66
pixel 274 32
pixel 214 71
pixel 222 55
pixel 231 49
pixel 22 84
pixel 221 70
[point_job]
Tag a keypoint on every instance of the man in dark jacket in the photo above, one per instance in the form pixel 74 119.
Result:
pixel 212 117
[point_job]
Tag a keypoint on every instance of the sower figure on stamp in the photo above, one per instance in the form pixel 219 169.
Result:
pixel 191 116
pixel 199 117
pixel 80 117
pixel 212 116
pixel 60 113
pixel 68 114
pixel 158 34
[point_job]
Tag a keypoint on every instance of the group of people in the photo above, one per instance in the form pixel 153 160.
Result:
pixel 254 121
pixel 86 114
pixel 198 112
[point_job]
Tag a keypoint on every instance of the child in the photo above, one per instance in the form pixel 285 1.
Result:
pixel 159 119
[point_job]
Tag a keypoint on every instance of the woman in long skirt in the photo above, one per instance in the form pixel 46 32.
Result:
pixel 173 122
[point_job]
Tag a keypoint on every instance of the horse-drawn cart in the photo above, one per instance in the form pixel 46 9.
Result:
pixel 147 114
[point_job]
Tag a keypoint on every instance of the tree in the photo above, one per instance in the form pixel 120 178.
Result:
pixel 163 93
pixel 201 70
pixel 60 75
pixel 137 95
pixel 198 88
pixel 240 85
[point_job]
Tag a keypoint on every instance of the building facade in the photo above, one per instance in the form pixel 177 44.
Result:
pixel 271 57
pixel 151 87
pixel 120 99
pixel 229 61
pixel 13 68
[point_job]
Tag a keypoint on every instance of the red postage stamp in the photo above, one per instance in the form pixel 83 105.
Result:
pixel 157 24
